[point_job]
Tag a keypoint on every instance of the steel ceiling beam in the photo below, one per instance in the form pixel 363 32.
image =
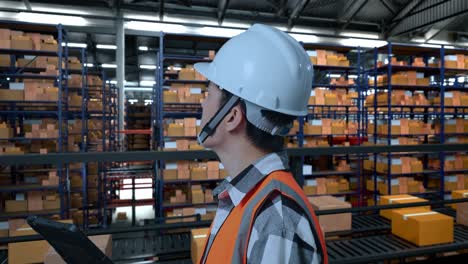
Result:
pixel 222 7
pixel 352 10
pixel 27 4
pixel 283 7
pixel 402 14
pixel 427 15
pixel 390 7
pixel 161 9
pixel 435 29
pixel 295 14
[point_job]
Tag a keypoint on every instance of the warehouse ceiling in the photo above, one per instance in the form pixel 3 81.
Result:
pixel 427 21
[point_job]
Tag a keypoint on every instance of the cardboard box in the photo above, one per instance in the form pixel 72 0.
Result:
pixel 35 201
pixel 12 206
pixel 22 44
pixel 462 214
pixel 458 194
pixel 198 197
pixel 198 173
pixel 175 130
pixel 170 174
pixel 422 227
pixel 51 205
pixel 103 242
pixel 335 222
pixel 332 187
pixel 399 199
pixel 6 133
pixel 183 174
pixel 198 238
pixel 310 190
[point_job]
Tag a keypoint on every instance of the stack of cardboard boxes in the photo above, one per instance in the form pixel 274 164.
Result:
pixel 40 90
pixel 400 185
pixel 453 126
pixel 456 61
pixel 399 165
pixel 187 127
pixel 6 131
pixel 452 162
pixel 19 40
pixel 338 97
pixel 403 127
pixel 326 57
pixel 33 201
pixel 42 129
pixel 8 148
pixel 178 197
pixel 185 170
pixel 398 97
pixel 407 78
pixel 452 99
pixel 330 185
pixel 330 127
pixel 201 195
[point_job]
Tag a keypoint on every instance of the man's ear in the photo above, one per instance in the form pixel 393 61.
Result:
pixel 235 119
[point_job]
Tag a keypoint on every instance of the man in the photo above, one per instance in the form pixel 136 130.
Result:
pixel 260 81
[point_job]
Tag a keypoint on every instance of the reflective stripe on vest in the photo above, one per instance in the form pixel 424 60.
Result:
pixel 232 239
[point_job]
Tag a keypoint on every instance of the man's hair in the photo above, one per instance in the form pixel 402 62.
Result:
pixel 258 137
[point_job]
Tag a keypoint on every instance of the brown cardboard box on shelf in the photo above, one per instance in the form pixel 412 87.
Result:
pixel 35 201
pixel 170 174
pixel 11 95
pixel 6 132
pixel 422 227
pixel 451 64
pixel 22 44
pixel 331 223
pixel 458 194
pixel 332 187
pixel 310 190
pixel 103 242
pixel 198 173
pixel 198 239
pixel 51 205
pixel 399 199
pixel 183 174
pixel 187 74
pixel 188 211
pixel 209 196
pixel 12 206
pixel 198 197
pixel 462 214
pixel 5 33
pixel 182 144
pixel 175 130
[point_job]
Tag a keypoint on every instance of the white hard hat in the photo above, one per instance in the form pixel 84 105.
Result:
pixel 266 67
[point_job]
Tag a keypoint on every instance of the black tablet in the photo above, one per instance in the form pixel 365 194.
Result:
pixel 69 241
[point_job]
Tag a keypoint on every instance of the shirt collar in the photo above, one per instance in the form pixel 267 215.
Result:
pixel 237 188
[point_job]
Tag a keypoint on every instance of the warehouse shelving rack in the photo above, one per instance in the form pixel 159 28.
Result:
pixel 354 112
pixel 163 110
pixel 389 110
pixel 16 111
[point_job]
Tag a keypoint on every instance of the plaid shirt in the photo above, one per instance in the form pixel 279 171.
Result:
pixel 281 232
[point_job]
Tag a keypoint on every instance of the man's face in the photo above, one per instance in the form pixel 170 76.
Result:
pixel 210 106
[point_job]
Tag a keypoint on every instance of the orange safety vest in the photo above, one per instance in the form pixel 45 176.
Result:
pixel 231 241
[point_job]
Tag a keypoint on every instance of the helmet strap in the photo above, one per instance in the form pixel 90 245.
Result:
pixel 210 127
